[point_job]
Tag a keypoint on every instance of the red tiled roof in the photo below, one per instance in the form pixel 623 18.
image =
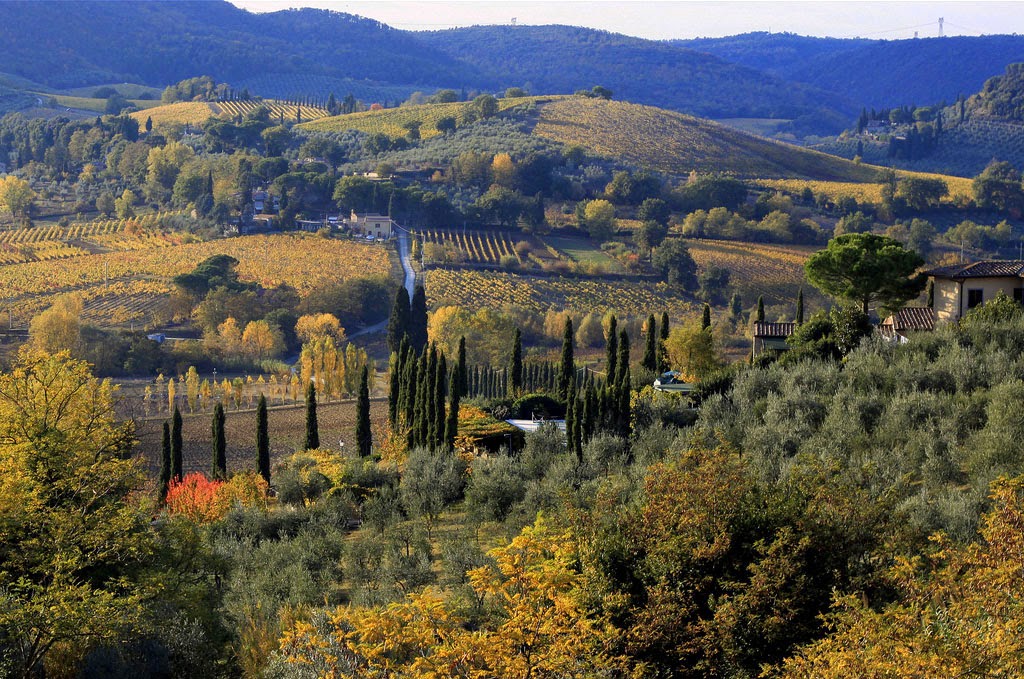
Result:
pixel 762 329
pixel 984 269
pixel 912 318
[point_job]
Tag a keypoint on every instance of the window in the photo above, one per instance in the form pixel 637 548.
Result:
pixel 1018 295
pixel 974 298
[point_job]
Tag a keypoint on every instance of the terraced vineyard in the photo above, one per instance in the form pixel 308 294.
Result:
pixel 959 187
pixel 44 243
pixel 775 271
pixel 278 109
pixel 496 289
pixel 478 247
pixel 392 121
pixel 675 143
pixel 140 278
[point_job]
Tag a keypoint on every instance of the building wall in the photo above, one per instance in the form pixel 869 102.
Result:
pixel 948 305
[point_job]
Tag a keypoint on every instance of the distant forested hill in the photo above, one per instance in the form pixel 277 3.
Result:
pixel 875 73
pixel 67 44
pixel 550 59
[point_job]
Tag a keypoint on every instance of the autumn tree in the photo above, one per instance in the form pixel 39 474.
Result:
pixel 72 527
pixel 59 328
pixel 691 350
pixel 599 219
pixel 261 340
pixel 312 327
pixel 16 195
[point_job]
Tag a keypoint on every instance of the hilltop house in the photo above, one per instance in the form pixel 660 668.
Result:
pixel 961 287
pixel 371 225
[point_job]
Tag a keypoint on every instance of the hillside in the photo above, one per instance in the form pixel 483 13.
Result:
pixel 196 112
pixel 877 73
pixel 677 143
pixel 568 58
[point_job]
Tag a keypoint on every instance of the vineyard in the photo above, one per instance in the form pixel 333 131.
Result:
pixel 197 112
pixel 675 143
pixel 129 285
pixel 494 289
pixel 392 121
pixel 477 247
pixel 44 243
pixel 775 271
pixel 959 187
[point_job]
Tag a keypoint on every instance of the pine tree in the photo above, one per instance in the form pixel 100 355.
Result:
pixel 176 445
pixel 220 444
pixel 611 349
pixel 262 439
pixel 165 460
pixel 567 367
pixel 760 309
pixel 418 319
pixel 650 360
pixel 800 307
pixel 312 441
pixel 364 437
pixel 398 323
pixel 516 365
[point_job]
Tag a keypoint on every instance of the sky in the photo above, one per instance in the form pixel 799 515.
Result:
pixel 666 19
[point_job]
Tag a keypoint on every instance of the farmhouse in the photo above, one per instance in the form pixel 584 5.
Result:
pixel 771 336
pixel 961 287
pixel 906 322
pixel 371 225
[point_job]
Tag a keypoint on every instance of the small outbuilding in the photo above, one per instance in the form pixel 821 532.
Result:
pixel 771 336
pixel 907 321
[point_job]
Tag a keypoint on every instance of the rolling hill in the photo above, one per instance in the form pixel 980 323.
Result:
pixel 197 112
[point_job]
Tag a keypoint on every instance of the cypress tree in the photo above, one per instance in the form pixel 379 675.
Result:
pixel 408 404
pixel 312 441
pixel 736 305
pixel 705 319
pixel 623 410
pixel 650 360
pixel 398 322
pixel 515 382
pixel 623 360
pixel 760 309
pixel 930 292
pixel 176 445
pixel 262 439
pixel 364 437
pixel 220 444
pixel 463 368
pixel 430 412
pixel 612 349
pixel 451 425
pixel 394 389
pixel 419 418
pixel 165 461
pixel 800 307
pixel 662 354
pixel 570 423
pixel 418 319
pixel 577 430
pixel 441 387
pixel 568 367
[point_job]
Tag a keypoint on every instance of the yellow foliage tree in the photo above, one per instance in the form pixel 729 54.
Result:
pixel 318 326
pixel 16 195
pixel 691 351
pixel 261 340
pixel 59 328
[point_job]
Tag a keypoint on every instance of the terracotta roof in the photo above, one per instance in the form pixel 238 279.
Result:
pixel 912 318
pixel 762 329
pixel 984 269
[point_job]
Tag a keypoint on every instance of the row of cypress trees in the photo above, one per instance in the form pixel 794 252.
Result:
pixel 419 384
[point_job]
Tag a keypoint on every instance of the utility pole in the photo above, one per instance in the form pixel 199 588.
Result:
pixel 940 26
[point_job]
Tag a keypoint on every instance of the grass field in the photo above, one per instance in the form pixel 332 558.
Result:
pixel 97 105
pixel 583 250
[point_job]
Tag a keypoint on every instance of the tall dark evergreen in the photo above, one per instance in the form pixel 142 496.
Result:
pixel 663 334
pixel 515 382
pixel 364 437
pixel 623 360
pixel 394 388
pixel 705 319
pixel 176 445
pixel 451 425
pixel 409 381
pixel 800 307
pixel 220 444
pixel 165 460
pixel 650 359
pixel 760 309
pixel 463 369
pixel 440 391
pixel 418 319
pixel 398 323
pixel 263 439
pixel 567 366
pixel 612 349
pixel 312 441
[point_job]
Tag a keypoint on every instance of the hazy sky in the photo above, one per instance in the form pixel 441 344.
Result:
pixel 661 19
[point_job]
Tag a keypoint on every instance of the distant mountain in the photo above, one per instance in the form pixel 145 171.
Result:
pixel 878 73
pixel 559 59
